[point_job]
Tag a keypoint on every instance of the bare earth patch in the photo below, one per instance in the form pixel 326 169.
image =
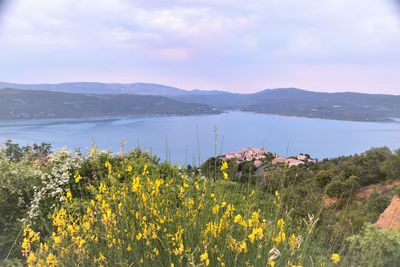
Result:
pixel 390 218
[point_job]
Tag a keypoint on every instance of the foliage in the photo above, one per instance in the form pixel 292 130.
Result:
pixel 64 208
pixel 375 247
pixel 139 214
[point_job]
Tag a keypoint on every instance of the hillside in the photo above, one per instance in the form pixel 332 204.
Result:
pixel 126 209
pixel 107 88
pixel 26 104
pixel 281 101
pixel 296 102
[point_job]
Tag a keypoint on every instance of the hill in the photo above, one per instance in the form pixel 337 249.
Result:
pixel 107 88
pixel 126 209
pixel 28 104
pixel 296 102
pixel 281 101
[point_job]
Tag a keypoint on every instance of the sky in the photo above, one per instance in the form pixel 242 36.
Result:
pixel 238 46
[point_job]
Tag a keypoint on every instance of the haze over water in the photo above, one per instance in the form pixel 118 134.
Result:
pixel 179 138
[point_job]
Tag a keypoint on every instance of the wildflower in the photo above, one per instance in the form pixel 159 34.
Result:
pixel 155 251
pixel 77 177
pixel 129 169
pixel 145 171
pixel 243 246
pixel 29 238
pixel 271 262
pixel 108 166
pixel 69 196
pixel 281 237
pixel 129 248
pixel 204 258
pixel 31 259
pixel 136 186
pixel 102 187
pixel 224 166
pixel 215 210
pixel 256 234
pixel 51 260
pixel 335 258
pixel 280 223
pixel 139 236
pixel 56 238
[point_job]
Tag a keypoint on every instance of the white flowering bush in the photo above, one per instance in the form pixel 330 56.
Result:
pixel 54 179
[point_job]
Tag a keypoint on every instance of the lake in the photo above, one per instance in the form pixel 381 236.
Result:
pixel 188 140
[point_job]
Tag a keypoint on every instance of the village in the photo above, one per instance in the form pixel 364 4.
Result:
pixel 259 155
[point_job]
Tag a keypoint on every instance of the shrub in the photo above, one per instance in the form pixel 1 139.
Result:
pixel 142 213
pixel 375 247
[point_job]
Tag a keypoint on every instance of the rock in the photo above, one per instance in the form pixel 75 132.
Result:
pixel 390 218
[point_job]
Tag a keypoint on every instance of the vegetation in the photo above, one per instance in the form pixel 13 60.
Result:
pixel 296 102
pixel 25 104
pixel 281 101
pixel 102 209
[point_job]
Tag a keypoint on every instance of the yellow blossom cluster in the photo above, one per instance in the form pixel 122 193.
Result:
pixel 142 214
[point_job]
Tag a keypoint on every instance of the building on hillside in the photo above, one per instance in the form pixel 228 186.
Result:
pixel 278 160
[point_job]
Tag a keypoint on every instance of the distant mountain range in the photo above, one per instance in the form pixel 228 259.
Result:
pixel 281 101
pixel 32 104
pixel 108 88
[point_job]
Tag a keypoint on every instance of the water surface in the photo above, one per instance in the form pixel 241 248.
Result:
pixel 192 139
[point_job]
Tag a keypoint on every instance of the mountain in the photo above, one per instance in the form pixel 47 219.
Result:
pixel 30 104
pixel 302 103
pixel 281 101
pixel 107 88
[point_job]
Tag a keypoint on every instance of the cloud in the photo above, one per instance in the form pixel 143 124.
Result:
pixel 233 45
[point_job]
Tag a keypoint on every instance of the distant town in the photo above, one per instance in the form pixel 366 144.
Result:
pixel 258 155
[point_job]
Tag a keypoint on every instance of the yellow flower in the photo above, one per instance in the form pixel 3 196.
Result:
pixel 129 169
pixel 101 257
pixel 108 166
pixel 280 224
pixel 129 248
pixel 102 187
pixel 215 210
pixel 56 238
pixel 335 258
pixel 204 258
pixel 77 177
pixel 31 259
pixel 224 166
pixel 243 246
pixel 145 171
pixel 280 238
pixel 256 234
pixel 51 260
pixel 69 196
pixel 271 262
pixel 155 251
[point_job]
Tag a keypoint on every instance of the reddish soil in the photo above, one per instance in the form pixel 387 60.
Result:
pixel 390 218
pixel 365 192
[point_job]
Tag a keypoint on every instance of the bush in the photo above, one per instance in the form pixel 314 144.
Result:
pixel 375 247
pixel 144 213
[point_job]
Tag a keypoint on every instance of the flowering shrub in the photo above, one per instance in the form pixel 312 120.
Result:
pixel 54 182
pixel 137 215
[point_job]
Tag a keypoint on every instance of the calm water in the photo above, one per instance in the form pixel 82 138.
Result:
pixel 179 138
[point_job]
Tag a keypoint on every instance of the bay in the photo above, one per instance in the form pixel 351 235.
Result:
pixel 191 139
